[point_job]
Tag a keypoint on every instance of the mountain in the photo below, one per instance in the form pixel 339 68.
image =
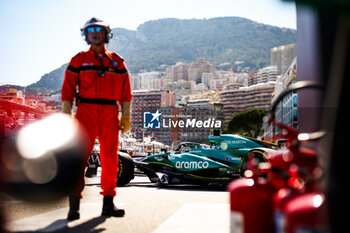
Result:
pixel 159 43
pixel 49 81
pixel 219 40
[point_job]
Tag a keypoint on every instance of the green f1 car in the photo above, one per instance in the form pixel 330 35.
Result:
pixel 193 163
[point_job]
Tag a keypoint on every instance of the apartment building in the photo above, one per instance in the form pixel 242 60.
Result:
pixel 201 111
pixel 147 80
pixel 268 73
pixel 282 57
pixel 179 71
pixel 287 110
pixel 150 101
pixel 196 69
pixel 244 98
pixel 192 122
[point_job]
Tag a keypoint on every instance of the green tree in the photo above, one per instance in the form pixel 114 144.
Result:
pixel 247 123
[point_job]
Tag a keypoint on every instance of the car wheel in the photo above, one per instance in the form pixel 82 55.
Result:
pixel 164 180
pixel 258 156
pixel 125 169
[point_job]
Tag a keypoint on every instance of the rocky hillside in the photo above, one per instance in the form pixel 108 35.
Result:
pixel 225 42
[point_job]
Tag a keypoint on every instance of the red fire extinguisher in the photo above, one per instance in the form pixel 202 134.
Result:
pixel 251 205
pixel 306 213
pixel 298 205
pixel 288 201
pixel 253 200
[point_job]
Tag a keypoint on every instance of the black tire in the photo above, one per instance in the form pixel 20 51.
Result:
pixel 259 157
pixel 125 170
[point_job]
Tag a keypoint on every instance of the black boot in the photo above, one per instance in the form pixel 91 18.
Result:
pixel 73 213
pixel 109 209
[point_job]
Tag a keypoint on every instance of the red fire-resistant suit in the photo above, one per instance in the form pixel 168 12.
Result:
pixel 99 77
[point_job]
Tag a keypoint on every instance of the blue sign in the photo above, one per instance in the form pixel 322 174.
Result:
pixel 151 120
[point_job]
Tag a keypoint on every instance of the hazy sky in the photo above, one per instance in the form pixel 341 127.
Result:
pixel 39 36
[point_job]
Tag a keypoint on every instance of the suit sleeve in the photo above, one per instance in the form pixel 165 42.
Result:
pixel 126 89
pixel 70 81
pixel 127 94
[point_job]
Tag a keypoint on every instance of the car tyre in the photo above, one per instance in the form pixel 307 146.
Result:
pixel 164 181
pixel 125 169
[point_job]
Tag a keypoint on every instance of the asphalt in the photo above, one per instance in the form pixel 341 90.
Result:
pixel 149 209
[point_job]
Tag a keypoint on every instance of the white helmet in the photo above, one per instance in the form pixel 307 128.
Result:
pixel 97 22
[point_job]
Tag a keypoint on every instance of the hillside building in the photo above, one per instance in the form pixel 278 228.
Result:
pixel 196 69
pixel 179 71
pixel 287 110
pixel 253 77
pixel 266 74
pixel 147 80
pixel 244 98
pixel 282 57
pixel 182 87
pixel 200 110
pixel 149 101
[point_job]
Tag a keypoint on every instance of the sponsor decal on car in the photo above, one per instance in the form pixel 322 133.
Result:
pixel 159 158
pixel 192 164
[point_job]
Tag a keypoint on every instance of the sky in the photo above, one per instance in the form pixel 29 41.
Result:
pixel 39 36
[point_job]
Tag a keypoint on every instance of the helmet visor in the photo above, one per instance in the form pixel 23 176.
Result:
pixel 94 29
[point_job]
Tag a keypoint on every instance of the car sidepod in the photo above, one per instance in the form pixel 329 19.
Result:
pixel 201 168
pixel 218 163
pixel 186 168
